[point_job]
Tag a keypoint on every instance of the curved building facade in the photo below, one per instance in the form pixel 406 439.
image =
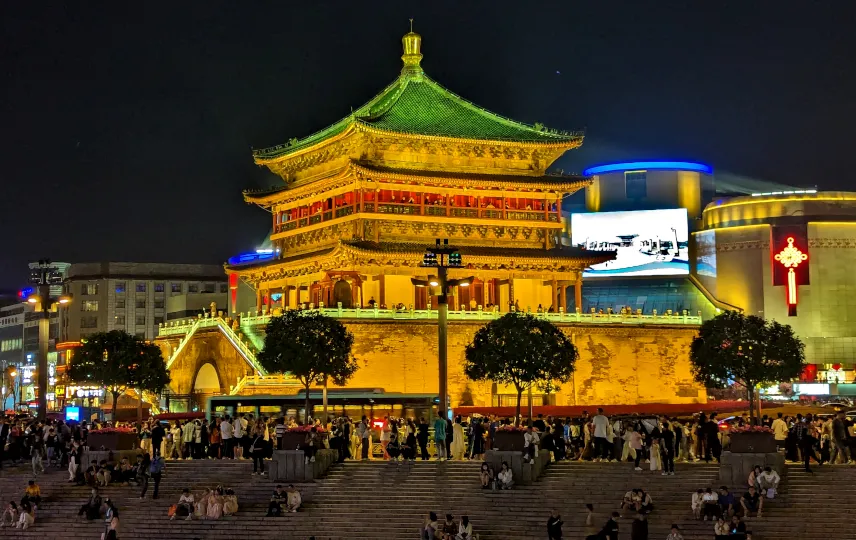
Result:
pixel 788 256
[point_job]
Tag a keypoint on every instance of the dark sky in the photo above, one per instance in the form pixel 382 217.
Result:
pixel 127 126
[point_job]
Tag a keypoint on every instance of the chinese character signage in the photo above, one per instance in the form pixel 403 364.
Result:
pixel 790 262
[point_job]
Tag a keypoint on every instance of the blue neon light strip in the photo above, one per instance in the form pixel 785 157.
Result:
pixel 246 258
pixel 649 165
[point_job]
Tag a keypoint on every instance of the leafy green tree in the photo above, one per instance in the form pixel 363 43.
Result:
pixel 118 361
pixel 748 350
pixel 311 347
pixel 522 350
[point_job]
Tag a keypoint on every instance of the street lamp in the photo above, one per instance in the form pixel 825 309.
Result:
pixel 43 276
pixel 442 256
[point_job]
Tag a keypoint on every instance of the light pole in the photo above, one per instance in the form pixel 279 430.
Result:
pixel 442 256
pixel 43 277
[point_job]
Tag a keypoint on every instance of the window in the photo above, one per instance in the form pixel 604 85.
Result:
pixel 120 304
pixel 636 184
pixel 175 287
pixel 159 304
pixel 89 305
pixel 140 303
pixel 141 335
pixel 192 288
pixel 90 321
pixel 158 321
pixel 89 289
pixel 120 287
pixel 11 344
pixel 140 320
pixel 224 287
pixel 141 287
pixel 159 287
pixel 120 320
pixel 209 288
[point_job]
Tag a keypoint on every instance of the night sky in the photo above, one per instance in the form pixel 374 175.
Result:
pixel 127 127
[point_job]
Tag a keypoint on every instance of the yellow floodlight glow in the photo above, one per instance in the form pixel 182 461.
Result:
pixel 33 300
pixel 434 283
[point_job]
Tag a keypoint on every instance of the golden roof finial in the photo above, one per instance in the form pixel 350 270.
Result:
pixel 412 43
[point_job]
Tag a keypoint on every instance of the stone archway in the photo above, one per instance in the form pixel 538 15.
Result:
pixel 207 380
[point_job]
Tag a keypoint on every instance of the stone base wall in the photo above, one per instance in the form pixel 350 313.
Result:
pixel 618 364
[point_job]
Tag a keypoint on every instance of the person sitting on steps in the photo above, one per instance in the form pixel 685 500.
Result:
pixel 752 502
pixel 465 529
pixel 10 515
pixel 27 517
pixel 92 508
pixel 486 476
pixel 276 501
pixel 293 499
pixel 430 528
pixel 185 505
pixel 505 478
pixel 32 494
pixel 449 529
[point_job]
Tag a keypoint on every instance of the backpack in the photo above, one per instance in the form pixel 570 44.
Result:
pixel 157 466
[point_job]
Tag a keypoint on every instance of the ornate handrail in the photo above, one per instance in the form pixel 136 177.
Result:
pixel 188 327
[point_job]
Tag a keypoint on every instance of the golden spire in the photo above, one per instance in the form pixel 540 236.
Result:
pixel 412 56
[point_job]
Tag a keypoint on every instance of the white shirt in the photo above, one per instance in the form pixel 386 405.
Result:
pixel 186 499
pixel 601 424
pixel 238 428
pixel 710 498
pixel 697 498
pixel 505 476
pixel 768 480
pixel 225 430
pixel 529 438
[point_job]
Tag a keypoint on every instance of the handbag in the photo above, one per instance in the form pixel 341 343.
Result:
pixel 172 510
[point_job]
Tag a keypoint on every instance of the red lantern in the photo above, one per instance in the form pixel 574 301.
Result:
pixel 809 373
pixel 836 367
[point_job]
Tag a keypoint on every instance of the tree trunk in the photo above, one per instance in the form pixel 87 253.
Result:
pixel 324 401
pixel 115 394
pixel 140 406
pixel 750 391
pixel 306 409
pixel 519 399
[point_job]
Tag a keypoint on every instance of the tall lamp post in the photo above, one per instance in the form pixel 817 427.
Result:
pixel 442 256
pixel 43 277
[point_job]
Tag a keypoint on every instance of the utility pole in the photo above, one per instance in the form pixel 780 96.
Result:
pixel 442 256
pixel 43 277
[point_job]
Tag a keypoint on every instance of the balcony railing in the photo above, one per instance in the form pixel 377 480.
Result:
pixel 372 207
pixel 253 319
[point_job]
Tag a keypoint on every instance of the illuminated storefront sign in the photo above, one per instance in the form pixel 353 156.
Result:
pixel 790 257
pixel 72 392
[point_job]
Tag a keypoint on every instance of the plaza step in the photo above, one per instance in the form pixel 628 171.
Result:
pixel 376 499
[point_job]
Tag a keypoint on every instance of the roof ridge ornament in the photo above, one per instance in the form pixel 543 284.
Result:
pixel 412 44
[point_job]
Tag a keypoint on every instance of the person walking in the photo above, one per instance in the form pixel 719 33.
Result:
pixel 154 470
pixel 364 432
pixel 554 525
pixel 422 439
pixel 440 437
pixel 188 439
pixel 158 434
pixel 257 449
pixel 840 442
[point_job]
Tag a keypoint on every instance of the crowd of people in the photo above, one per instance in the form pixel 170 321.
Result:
pixel 211 504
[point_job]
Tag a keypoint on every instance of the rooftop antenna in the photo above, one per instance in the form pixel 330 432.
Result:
pixel 411 25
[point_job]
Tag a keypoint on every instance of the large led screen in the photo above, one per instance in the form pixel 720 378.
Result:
pixel 646 242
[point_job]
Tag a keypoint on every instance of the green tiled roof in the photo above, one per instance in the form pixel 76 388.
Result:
pixel 415 104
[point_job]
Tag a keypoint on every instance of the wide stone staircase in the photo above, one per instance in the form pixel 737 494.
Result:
pixel 371 500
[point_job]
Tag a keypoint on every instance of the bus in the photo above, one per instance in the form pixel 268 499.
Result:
pixel 340 402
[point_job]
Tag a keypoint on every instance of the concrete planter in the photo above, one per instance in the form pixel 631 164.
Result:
pixel 296 440
pixel 522 471
pixel 734 467
pixel 112 441
pixel 291 466
pixel 508 441
pixel 748 443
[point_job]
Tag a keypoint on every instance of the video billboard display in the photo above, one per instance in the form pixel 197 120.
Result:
pixel 646 242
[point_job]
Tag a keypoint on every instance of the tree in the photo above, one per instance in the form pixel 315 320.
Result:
pixel 748 350
pixel 522 350
pixel 311 347
pixel 118 361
